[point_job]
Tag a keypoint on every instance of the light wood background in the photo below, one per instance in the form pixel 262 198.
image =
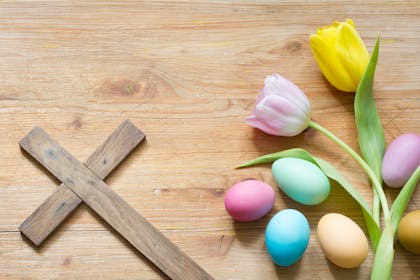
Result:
pixel 186 73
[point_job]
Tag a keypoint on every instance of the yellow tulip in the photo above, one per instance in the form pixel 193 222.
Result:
pixel 341 54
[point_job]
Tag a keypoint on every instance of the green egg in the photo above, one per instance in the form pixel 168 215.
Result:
pixel 301 180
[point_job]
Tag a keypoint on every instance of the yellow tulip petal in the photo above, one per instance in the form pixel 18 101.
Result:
pixel 327 35
pixel 326 57
pixel 349 21
pixel 351 51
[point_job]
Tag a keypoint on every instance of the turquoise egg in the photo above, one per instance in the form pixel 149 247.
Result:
pixel 301 180
pixel 287 237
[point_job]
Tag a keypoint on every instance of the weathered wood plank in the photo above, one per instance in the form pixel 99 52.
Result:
pixel 187 73
pixel 112 208
pixel 49 215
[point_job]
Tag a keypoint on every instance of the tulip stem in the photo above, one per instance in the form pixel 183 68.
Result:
pixel 376 206
pixel 375 182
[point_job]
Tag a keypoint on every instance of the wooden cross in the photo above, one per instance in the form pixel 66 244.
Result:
pixel 83 182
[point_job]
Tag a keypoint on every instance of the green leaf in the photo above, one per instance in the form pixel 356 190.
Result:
pixel 295 152
pixel 333 174
pixel 384 255
pixel 369 127
pixel 403 198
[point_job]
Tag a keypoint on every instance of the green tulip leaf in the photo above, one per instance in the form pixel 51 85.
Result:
pixel 403 198
pixel 384 255
pixel 369 127
pixel 333 174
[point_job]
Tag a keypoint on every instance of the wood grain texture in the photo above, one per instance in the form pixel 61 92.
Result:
pixel 112 208
pixel 187 73
pixel 52 212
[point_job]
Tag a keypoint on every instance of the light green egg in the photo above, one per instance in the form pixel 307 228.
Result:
pixel 301 180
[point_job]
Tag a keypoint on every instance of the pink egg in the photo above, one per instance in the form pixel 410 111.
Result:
pixel 249 200
pixel 401 159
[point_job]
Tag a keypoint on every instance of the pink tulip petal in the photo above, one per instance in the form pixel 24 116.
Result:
pixel 252 121
pixel 278 85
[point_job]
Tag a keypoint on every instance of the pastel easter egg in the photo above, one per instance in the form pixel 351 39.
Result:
pixel 287 237
pixel 342 240
pixel 249 200
pixel 301 180
pixel 401 158
pixel 409 232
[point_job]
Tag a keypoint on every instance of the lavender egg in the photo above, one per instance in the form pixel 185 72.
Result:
pixel 249 200
pixel 401 159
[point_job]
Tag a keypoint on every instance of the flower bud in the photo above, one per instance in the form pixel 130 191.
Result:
pixel 341 54
pixel 282 109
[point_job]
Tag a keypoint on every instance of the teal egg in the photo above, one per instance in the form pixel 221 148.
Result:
pixel 287 237
pixel 301 180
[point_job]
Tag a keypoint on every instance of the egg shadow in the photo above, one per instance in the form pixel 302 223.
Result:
pixel 391 193
pixel 403 256
pixel 247 233
pixel 342 273
pixel 288 272
pixel 414 203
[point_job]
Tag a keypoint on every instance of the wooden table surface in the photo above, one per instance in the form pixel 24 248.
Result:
pixel 186 73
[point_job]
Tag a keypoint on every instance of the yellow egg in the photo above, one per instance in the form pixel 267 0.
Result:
pixel 409 232
pixel 342 240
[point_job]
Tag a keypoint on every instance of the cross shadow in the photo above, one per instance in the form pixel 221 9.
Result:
pixel 112 231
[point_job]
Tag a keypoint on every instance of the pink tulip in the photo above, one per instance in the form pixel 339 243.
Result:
pixel 282 109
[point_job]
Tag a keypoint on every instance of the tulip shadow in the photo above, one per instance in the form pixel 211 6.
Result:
pixel 346 99
pixel 266 143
